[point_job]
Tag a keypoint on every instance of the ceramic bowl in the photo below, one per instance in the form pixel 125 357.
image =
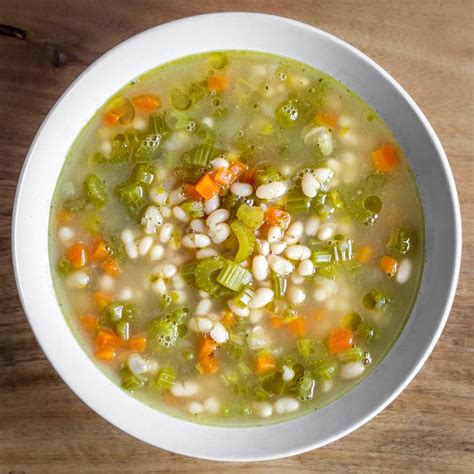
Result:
pixel 285 37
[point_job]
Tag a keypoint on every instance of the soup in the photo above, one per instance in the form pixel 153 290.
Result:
pixel 236 238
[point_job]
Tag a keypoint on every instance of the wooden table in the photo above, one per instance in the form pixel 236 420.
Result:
pixel 426 45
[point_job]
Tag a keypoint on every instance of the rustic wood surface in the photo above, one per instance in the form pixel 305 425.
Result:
pixel 426 45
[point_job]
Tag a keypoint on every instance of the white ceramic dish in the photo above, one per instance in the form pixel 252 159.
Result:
pixel 323 51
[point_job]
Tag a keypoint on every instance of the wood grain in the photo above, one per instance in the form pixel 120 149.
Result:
pixel 426 45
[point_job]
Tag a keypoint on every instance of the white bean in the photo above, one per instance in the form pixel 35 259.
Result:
pixel 404 271
pixel 218 216
pixel 326 231
pixel 334 165
pixel 156 252
pixel 298 252
pixel 137 364
pixel 280 265
pixel 198 225
pixel 219 233
pixel 263 247
pixel 178 282
pixel 274 234
pixel 158 195
pixel 310 185
pixel 199 324
pixel 271 191
pixel 219 163
pixel 305 268
pixel 322 137
pixel 352 370
pixel 288 373
pixel 78 279
pixel 180 214
pixel 106 147
pixel 180 297
pixel 65 234
pixel 168 270
pixel 206 253
pixel 256 315
pixel 208 121
pixel 258 339
pixel 159 286
pixel 212 405
pixel 296 295
pixel 131 250
pixel 311 227
pixel 144 245
pixel 166 233
pixel 152 219
pixel 326 385
pixel 186 388
pixel 297 279
pixel 294 233
pixel 127 236
pixel 263 409
pixel 188 241
pixel 278 247
pixel 212 204
pixel 241 189
pixel 194 408
pixel 262 297
pixel 260 268
pixel 203 307
pixel 176 197
pixel 323 175
pixel 125 294
pixel 286 405
pixel 106 282
pixel 241 312
pixel 350 138
pixel 201 241
pixel 219 333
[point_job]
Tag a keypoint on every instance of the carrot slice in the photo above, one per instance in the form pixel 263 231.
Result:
pixel 105 353
pixel 111 267
pixel 389 265
pixel 274 216
pixel 217 83
pixel 190 192
pixel 264 363
pixel 364 255
pixel 276 321
pixel 385 158
pixel 209 364
pixel 64 217
pixel 88 322
pixel 297 327
pixel 146 102
pixel 327 119
pixel 77 255
pixel 105 338
pixel 98 250
pixel 340 340
pixel 111 119
pixel 137 343
pixel 206 187
pixel 101 299
pixel 228 319
pixel 206 347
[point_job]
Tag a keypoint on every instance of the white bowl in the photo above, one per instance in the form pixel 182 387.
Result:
pixel 323 51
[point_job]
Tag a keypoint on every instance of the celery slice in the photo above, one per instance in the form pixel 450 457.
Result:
pixel 166 378
pixel 251 216
pixel 266 175
pixel 246 238
pixel 243 298
pixel 94 190
pixel 130 381
pixel 234 276
pixel 279 284
pixel 205 275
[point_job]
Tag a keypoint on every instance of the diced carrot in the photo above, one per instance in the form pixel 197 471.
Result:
pixel 364 255
pixel 318 314
pixel 340 340
pixel 327 119
pixel 264 363
pixel 105 353
pixel 98 250
pixel 217 83
pixel 111 267
pixel 101 299
pixel 209 364
pixel 228 319
pixel 385 158
pixel 224 177
pixel 206 187
pixel 206 347
pixel 105 338
pixel 77 255
pixel 389 265
pixel 169 398
pixel 190 192
pixel 297 327
pixel 137 343
pixel 88 322
pixel 111 119
pixel 64 217
pixel 146 102
pixel 276 321
pixel 274 216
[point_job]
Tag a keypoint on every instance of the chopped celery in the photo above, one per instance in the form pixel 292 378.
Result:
pixel 166 378
pixel 375 300
pixel 244 368
pixel 164 331
pixel 367 332
pixel 165 300
pixel 287 113
pixel 354 354
pixel 115 248
pixel 92 222
pixel 120 311
pixel 132 196
pixel 306 387
pixel 236 351
pixel 187 271
pixel 217 60
pixel 336 199
pixel 303 347
pixel 195 209
pixel 64 266
pixel 144 174
pixel 242 299
pixel 250 215
pixel 402 241
pixel 180 315
pixel 342 250
pixel 180 100
pixel 130 381
pixel 296 202
pixel 266 175
pixel 351 321
pixel 279 285
pixel 261 395
pixel 326 271
pixel 75 205
pixel 326 370
pixel 94 190
pixel 321 257
pixel 206 275
pixel 122 328
pixel 246 238
pixel 273 383
pixel 188 175
pixel 157 126
pixel 196 91
pixel 234 276
pixel 200 156
pixel 148 148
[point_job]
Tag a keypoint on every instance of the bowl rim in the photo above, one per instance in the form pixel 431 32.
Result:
pixel 309 444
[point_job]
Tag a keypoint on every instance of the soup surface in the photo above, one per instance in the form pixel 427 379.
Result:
pixel 236 238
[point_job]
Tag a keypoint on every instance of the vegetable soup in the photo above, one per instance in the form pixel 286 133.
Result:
pixel 236 238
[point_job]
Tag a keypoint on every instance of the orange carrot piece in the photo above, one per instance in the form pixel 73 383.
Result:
pixel 209 364
pixel 385 158
pixel 340 340
pixel 228 319
pixel 206 187
pixel 88 322
pixel 206 347
pixel 101 299
pixel 276 321
pixel 77 255
pixel 224 177
pixel 105 337
pixel 137 343
pixel 111 119
pixel 217 83
pixel 389 265
pixel 111 267
pixel 190 192
pixel 146 102
pixel 64 217
pixel 264 363
pixel 327 119
pixel 274 216
pixel 297 327
pixel 105 353
pixel 98 250
pixel 364 255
